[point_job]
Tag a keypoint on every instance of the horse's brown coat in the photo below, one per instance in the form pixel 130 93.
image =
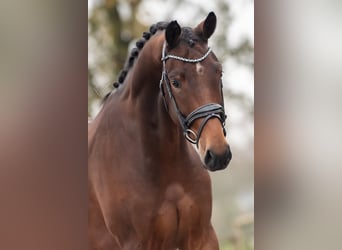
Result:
pixel 148 188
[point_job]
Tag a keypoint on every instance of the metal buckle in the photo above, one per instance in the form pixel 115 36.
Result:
pixel 189 134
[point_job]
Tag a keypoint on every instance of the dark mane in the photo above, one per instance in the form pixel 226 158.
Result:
pixel 135 52
pixel 187 36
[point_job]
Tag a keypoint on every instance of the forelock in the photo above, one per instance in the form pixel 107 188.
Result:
pixel 189 37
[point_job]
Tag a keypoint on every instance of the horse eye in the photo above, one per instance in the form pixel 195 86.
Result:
pixel 176 83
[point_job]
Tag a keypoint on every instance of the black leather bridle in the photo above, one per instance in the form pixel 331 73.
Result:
pixel 208 111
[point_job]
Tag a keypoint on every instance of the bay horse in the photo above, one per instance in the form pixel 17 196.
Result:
pixel 154 139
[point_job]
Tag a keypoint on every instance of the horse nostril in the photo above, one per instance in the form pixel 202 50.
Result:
pixel 228 155
pixel 209 157
pixel 217 161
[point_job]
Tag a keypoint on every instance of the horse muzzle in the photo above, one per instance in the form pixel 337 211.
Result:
pixel 217 161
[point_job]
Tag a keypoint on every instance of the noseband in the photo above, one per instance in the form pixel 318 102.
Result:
pixel 208 111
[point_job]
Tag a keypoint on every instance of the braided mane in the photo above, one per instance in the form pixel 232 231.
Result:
pixel 187 36
pixel 135 52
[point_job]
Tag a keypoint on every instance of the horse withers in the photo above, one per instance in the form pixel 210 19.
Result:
pixel 153 141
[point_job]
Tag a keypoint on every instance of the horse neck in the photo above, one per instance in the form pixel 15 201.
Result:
pixel 144 93
pixel 143 81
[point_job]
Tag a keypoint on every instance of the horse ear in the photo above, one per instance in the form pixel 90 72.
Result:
pixel 172 33
pixel 207 27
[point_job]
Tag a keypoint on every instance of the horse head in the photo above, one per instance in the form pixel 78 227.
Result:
pixel 191 85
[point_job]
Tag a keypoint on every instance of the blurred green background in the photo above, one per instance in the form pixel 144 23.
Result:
pixel 113 28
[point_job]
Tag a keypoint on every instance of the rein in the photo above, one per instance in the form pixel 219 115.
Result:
pixel 208 111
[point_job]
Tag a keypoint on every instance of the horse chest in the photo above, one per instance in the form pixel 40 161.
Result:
pixel 179 214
